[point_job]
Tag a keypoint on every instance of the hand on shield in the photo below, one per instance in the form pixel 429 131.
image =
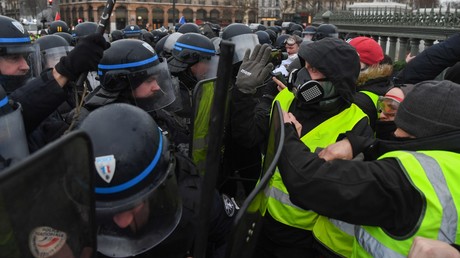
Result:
pixel 84 57
pixel 254 69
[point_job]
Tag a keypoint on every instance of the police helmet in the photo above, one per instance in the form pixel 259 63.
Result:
pixel 295 27
pixel 135 172
pixel 116 35
pixel 272 35
pixel 15 42
pixel 243 38
pixel 147 37
pixel 127 64
pixel 84 29
pixel 264 37
pixel 309 30
pixel 132 31
pixel 52 48
pixel 67 37
pixel 280 42
pixel 326 31
pixel 169 44
pixel 189 27
pixel 189 49
pixel 58 26
pixel 157 35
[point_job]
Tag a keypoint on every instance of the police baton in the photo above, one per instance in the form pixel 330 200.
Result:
pixel 103 23
pixel 214 153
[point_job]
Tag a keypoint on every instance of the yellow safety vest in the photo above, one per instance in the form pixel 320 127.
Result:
pixel 435 175
pixel 326 133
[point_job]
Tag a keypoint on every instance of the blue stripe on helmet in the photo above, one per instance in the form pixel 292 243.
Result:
pixel 132 31
pixel 128 65
pixel 15 40
pixel 4 101
pixel 138 178
pixel 205 50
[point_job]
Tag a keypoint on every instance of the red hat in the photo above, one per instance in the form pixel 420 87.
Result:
pixel 369 50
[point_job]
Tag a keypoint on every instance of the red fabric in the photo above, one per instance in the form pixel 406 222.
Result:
pixel 369 50
pixel 58 17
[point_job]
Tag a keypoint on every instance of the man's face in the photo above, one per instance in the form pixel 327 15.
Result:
pixel 292 49
pixel 200 69
pixel 13 65
pixel 147 88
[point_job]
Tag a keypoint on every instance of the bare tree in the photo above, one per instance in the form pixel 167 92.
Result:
pixel 245 6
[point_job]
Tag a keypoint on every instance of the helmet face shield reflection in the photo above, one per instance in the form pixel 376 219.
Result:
pixel 51 56
pixel 153 220
pixel 155 91
pixel 31 54
pixel 242 43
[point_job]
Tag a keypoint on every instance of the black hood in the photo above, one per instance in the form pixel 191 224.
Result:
pixel 337 60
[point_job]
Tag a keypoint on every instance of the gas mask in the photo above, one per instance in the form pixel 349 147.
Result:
pixel 311 93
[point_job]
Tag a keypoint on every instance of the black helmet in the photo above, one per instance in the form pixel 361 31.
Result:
pixel 281 41
pixel 169 43
pixel 147 37
pixel 157 35
pixel 15 41
pixel 326 31
pixel 190 49
pixel 135 171
pixel 243 38
pixel 52 48
pixel 84 29
pixel 272 35
pixel 67 37
pixel 132 31
pixel 276 29
pixel 58 26
pixel 116 35
pixel 127 64
pixel 309 30
pixel 189 27
pixel 264 37
pixel 295 27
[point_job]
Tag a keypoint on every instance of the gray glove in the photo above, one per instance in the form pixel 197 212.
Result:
pixel 254 70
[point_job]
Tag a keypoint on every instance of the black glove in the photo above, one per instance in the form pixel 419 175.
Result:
pixel 84 57
pixel 270 90
pixel 254 70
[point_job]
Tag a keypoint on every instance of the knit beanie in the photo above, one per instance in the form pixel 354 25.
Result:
pixel 431 108
pixel 337 60
pixel 369 50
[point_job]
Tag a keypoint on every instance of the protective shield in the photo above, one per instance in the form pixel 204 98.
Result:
pixel 203 95
pixel 46 202
pixel 31 54
pixel 248 221
pixel 51 56
pixel 242 43
pixel 13 139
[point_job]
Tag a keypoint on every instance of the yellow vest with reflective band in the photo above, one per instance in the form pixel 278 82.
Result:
pixel 201 126
pixel 326 133
pixel 435 175
pixel 375 98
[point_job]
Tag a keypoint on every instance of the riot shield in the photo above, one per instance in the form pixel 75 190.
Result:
pixel 46 202
pixel 248 222
pixel 203 95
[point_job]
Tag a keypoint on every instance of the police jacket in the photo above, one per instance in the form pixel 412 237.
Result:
pixel 180 243
pixel 431 62
pixel 374 193
pixel 39 98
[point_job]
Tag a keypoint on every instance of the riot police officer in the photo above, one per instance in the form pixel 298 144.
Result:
pixel 193 58
pixel 58 26
pixel 146 195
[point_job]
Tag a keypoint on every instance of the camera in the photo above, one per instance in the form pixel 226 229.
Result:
pixel 277 56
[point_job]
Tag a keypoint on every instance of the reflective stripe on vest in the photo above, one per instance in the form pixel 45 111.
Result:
pixel 201 125
pixel 278 203
pixel 440 217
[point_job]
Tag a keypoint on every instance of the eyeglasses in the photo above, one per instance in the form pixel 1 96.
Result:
pixel 388 105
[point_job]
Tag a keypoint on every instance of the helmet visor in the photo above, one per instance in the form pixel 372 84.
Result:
pixel 134 231
pixel 51 56
pixel 31 54
pixel 152 88
pixel 242 43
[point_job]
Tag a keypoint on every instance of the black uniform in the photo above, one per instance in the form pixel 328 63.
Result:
pixel 180 243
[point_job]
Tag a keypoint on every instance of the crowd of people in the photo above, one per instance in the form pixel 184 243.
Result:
pixel 367 168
